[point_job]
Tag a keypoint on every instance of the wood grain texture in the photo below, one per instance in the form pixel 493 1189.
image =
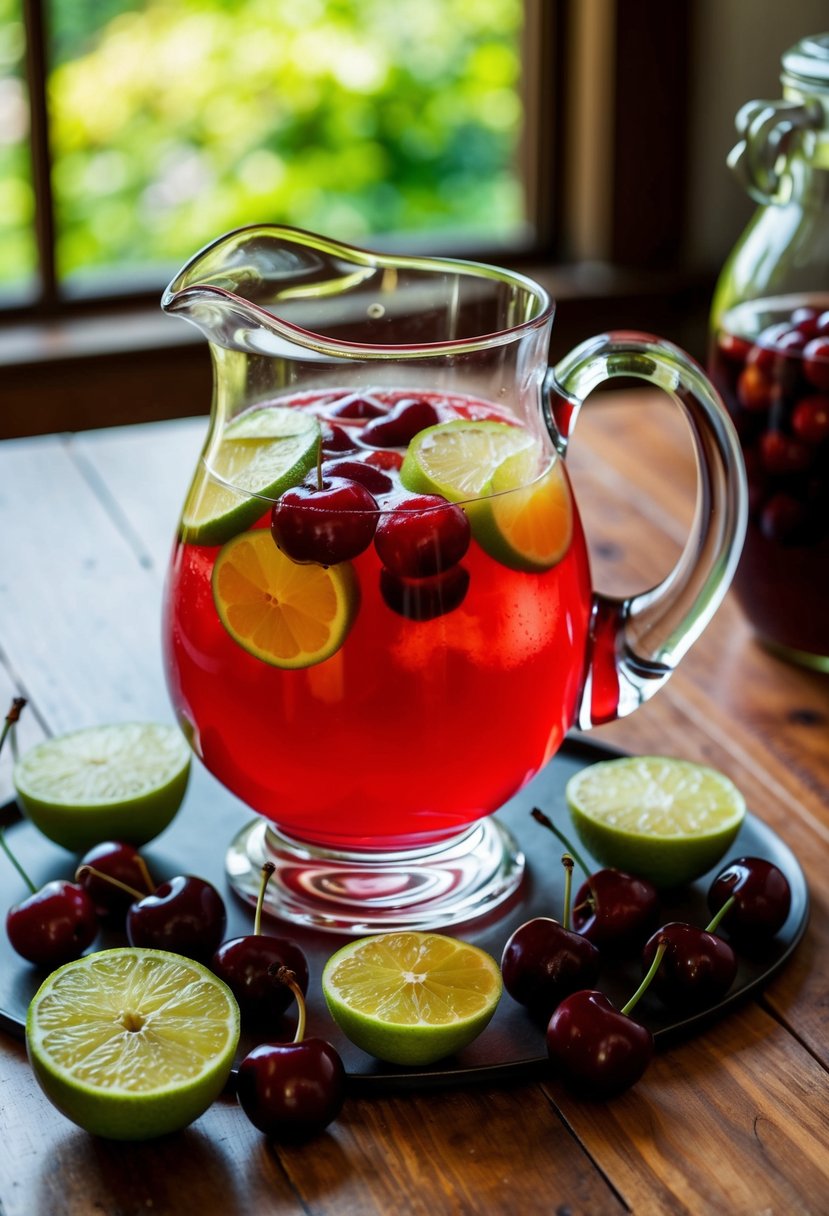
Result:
pixel 733 1120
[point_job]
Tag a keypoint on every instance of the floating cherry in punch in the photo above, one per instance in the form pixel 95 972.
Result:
pixel 291 1091
pixel 612 908
pixel 246 965
pixel 328 521
pixel 544 961
pixel 596 1049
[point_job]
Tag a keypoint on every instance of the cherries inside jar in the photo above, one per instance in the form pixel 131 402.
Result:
pixel 770 361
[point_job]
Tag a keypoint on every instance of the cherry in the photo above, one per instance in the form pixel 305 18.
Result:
pixel 810 420
pixel 783 519
pixel 367 475
pixel 758 896
pixel 423 535
pixel 291 1090
pixel 113 859
pixel 246 965
pixel 357 406
pixel 53 925
pixel 755 391
pixel 816 362
pixel 408 418
pixel 733 347
pixel 612 908
pixel 698 967
pixel 336 439
pixel 388 460
pixel 424 599
pixel 805 320
pixel 597 1049
pixel 328 522
pixel 185 915
pixel 544 961
pixel 783 454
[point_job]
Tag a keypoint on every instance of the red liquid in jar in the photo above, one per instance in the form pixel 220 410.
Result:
pixel 412 729
pixel 770 361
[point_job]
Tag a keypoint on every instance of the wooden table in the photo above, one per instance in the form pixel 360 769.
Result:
pixel 735 1120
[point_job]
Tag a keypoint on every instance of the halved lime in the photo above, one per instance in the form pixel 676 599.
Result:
pixel 258 456
pixel 457 459
pixel 660 818
pixel 132 1043
pixel 122 781
pixel 411 998
pixel 284 613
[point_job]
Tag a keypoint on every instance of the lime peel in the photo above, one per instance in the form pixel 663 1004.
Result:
pixel 132 1043
pixel 661 818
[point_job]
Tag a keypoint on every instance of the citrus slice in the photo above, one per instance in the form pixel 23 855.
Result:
pixel 123 781
pixel 527 526
pixel 457 459
pixel 259 455
pixel 663 819
pixel 411 998
pixel 132 1043
pixel 286 614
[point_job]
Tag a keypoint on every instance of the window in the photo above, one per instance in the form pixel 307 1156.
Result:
pixel 134 131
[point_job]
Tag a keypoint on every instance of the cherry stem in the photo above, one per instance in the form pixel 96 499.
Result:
pixel 145 873
pixel 284 975
pixel 267 869
pixel 662 946
pixel 115 882
pixel 724 910
pixel 11 719
pixel 547 823
pixel 567 862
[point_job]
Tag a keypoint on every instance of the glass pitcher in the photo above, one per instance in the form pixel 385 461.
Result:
pixel 770 356
pixel 379 621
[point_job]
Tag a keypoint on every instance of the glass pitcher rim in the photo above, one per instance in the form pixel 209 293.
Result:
pixel 174 296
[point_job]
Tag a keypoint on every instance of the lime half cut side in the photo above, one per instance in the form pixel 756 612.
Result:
pixel 411 998
pixel 131 1043
pixel 259 456
pixel 123 781
pixel 457 459
pixel 663 819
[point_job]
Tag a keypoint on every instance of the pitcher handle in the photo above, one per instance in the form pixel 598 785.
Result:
pixel 636 643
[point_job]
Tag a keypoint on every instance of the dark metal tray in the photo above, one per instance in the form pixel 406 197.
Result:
pixel 512 1046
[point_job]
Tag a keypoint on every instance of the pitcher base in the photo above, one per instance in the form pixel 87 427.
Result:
pixel 457 881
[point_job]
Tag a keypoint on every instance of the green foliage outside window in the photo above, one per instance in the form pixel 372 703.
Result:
pixel 174 120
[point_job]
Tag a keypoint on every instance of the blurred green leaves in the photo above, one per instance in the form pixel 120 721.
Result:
pixel 175 120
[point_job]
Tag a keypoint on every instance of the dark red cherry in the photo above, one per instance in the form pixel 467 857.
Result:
pixel 292 1090
pixel 388 460
pixel 783 519
pixel 613 908
pixel 596 1049
pixel 755 390
pixel 326 523
pixel 782 454
pixel 762 898
pixel 358 406
pixel 185 915
pixel 336 439
pixel 423 535
pixel 698 967
pixel 733 347
pixel 375 480
pixel 407 419
pixel 810 420
pixel 804 320
pixel 113 859
pixel 816 362
pixel 54 925
pixel 243 963
pixel 424 599
pixel 543 962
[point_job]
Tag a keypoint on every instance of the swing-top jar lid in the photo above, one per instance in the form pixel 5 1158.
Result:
pixel 806 64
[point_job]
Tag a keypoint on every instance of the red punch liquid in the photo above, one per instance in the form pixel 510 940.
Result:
pixel 413 729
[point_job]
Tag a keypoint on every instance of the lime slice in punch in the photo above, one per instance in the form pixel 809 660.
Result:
pixel 260 454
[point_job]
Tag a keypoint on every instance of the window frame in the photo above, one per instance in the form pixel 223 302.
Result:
pixel 587 87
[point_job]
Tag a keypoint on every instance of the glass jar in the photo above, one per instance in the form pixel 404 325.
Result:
pixel 769 356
